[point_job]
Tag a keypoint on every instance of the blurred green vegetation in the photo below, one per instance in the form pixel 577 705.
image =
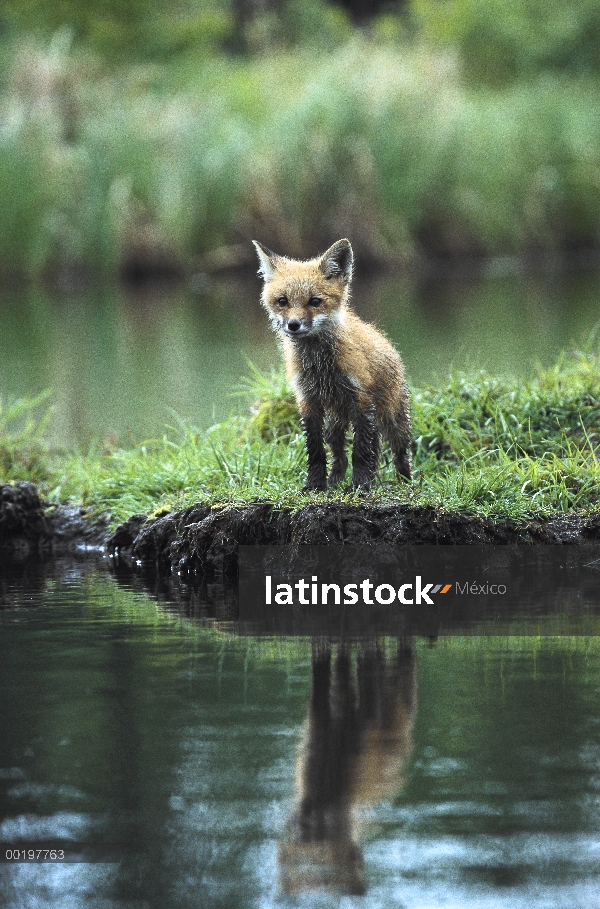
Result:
pixel 24 451
pixel 132 29
pixel 500 41
pixel 153 136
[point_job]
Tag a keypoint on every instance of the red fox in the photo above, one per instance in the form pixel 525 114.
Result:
pixel 342 370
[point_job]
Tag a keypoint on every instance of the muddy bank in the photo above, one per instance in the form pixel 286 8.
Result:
pixel 205 540
pixel 28 525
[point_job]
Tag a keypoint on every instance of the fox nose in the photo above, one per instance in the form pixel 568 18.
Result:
pixel 293 325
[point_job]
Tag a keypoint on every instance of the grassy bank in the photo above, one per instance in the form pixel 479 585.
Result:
pixel 483 445
pixel 383 139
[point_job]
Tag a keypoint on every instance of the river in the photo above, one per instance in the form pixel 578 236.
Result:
pixel 220 769
pixel 123 364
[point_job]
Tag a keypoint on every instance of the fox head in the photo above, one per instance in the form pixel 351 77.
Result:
pixel 303 298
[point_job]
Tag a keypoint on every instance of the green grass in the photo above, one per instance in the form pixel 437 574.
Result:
pixel 485 445
pixel 24 452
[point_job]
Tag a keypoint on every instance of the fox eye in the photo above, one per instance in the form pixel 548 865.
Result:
pixel 283 301
pixel 314 301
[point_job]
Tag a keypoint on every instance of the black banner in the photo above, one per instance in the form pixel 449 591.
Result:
pixel 399 590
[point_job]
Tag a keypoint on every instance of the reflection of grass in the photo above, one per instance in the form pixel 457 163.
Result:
pixel 518 649
pixel 382 142
pixel 482 445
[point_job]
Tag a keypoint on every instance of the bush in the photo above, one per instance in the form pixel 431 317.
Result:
pixel 502 40
pixel 142 29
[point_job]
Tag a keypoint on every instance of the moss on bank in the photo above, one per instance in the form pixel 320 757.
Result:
pixel 497 448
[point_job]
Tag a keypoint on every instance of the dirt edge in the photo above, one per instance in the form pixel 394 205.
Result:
pixel 29 525
pixel 205 540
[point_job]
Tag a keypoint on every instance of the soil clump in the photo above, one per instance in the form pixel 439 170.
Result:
pixel 29 525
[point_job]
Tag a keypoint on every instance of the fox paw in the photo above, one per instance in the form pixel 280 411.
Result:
pixel 315 487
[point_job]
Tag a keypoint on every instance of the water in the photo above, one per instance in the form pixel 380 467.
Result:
pixel 121 363
pixel 236 771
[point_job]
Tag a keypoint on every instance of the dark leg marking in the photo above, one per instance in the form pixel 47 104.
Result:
pixel 399 437
pixel 335 436
pixel 366 447
pixel 315 450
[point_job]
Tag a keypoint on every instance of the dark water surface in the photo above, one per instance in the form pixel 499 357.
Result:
pixel 238 771
pixel 120 362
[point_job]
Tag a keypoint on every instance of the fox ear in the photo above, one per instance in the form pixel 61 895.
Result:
pixel 268 260
pixel 337 261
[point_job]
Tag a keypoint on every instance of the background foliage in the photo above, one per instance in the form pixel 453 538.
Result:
pixel 136 135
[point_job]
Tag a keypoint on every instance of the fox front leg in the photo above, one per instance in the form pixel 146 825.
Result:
pixel 367 446
pixel 315 450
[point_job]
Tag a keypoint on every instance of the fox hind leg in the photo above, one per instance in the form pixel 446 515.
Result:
pixel 367 449
pixel 398 434
pixel 335 436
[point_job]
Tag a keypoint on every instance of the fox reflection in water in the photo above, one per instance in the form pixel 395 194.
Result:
pixel 355 750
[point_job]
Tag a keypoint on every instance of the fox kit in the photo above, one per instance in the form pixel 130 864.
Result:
pixel 342 370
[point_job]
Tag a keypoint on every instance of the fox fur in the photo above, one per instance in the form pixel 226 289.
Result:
pixel 343 371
